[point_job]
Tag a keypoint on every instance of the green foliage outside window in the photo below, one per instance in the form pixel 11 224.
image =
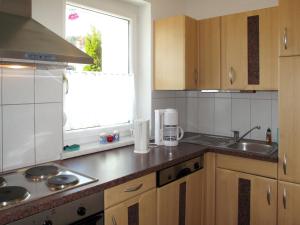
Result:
pixel 94 49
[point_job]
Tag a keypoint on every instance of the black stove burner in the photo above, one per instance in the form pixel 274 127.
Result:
pixel 62 181
pixel 12 194
pixel 2 182
pixel 41 172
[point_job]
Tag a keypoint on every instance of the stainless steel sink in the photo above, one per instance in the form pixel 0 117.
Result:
pixel 254 147
pixel 209 140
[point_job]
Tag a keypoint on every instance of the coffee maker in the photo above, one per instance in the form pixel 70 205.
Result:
pixel 167 132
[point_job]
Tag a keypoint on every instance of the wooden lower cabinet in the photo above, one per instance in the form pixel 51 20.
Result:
pixel 182 201
pixel 140 210
pixel 245 199
pixel 288 203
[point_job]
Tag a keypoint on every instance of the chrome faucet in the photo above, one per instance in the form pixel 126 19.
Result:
pixel 236 134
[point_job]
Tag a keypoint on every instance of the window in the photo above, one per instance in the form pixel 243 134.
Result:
pixel 101 94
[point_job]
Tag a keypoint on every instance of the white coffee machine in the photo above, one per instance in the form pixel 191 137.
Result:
pixel 167 131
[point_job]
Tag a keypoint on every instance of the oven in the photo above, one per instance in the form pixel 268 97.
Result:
pixel 84 211
pixel 97 219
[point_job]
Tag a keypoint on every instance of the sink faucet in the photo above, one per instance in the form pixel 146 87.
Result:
pixel 236 134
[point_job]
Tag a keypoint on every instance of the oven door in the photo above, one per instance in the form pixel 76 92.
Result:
pixel 97 219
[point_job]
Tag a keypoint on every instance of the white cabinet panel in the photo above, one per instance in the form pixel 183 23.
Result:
pixel 49 131
pixel 18 136
pixel 18 86
pixel 48 86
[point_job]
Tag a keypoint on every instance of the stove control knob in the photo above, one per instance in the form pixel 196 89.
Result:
pixel 47 222
pixel 196 166
pixel 81 211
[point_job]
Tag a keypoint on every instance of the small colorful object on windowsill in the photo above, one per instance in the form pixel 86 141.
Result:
pixel 106 138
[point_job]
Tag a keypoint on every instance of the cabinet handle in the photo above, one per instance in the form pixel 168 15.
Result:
pixel 231 75
pixel 269 195
pixel 132 189
pixel 66 81
pixel 284 163
pixel 285 39
pixel 113 220
pixel 196 76
pixel 284 198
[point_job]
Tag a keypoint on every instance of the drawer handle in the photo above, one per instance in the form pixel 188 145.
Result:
pixel 231 75
pixel 196 76
pixel 132 189
pixel 285 39
pixel 284 163
pixel 284 198
pixel 269 196
pixel 113 220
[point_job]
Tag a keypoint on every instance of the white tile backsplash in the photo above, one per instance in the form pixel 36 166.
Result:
pixel 181 106
pixel 48 86
pixel 192 114
pixel 222 116
pixel 220 113
pixel 240 117
pixel 32 133
pixel 206 107
pixel 48 132
pixel 18 136
pixel 17 86
pixel 260 116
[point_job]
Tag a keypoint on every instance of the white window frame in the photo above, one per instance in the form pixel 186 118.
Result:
pixel 86 137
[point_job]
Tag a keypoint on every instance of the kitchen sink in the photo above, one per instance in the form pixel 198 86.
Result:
pixel 254 147
pixel 209 140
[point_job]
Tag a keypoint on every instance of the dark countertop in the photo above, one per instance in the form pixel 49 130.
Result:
pixel 115 167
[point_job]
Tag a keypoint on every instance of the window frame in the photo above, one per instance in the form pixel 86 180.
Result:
pixel 86 136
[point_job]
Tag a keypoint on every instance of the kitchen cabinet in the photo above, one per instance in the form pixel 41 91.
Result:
pixel 289 14
pixel 288 203
pixel 182 201
pixel 209 53
pixel 138 210
pixel 131 203
pixel 249 52
pixel 245 199
pixel 175 53
pixel 289 120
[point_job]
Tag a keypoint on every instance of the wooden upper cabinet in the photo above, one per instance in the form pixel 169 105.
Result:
pixel 209 53
pixel 289 119
pixel 288 203
pixel 175 53
pixel 245 199
pixel 289 14
pixel 249 52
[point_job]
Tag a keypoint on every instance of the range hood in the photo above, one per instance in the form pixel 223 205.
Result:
pixel 21 37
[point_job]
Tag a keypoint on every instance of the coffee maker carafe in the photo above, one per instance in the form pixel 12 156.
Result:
pixel 167 131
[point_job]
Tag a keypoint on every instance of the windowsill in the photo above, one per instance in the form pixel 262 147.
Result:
pixel 97 147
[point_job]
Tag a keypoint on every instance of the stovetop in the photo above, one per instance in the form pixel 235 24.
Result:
pixel 29 184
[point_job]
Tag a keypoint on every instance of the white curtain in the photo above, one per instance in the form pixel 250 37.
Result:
pixel 98 99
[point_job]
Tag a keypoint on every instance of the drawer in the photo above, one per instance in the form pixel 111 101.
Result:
pixel 251 166
pixel 128 190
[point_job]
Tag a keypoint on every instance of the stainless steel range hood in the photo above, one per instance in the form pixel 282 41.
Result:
pixel 21 37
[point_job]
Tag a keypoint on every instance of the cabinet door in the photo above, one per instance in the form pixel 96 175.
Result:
pixel 182 202
pixel 245 199
pixel 249 52
pixel 288 203
pixel 175 53
pixel 234 51
pixel 289 120
pixel 209 53
pixel 289 11
pixel 168 198
pixel 195 202
pixel 140 210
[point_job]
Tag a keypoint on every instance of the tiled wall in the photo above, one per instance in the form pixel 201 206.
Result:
pixel 31 122
pixel 220 113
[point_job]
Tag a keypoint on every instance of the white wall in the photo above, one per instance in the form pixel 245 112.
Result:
pixel 200 9
pixel 165 8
